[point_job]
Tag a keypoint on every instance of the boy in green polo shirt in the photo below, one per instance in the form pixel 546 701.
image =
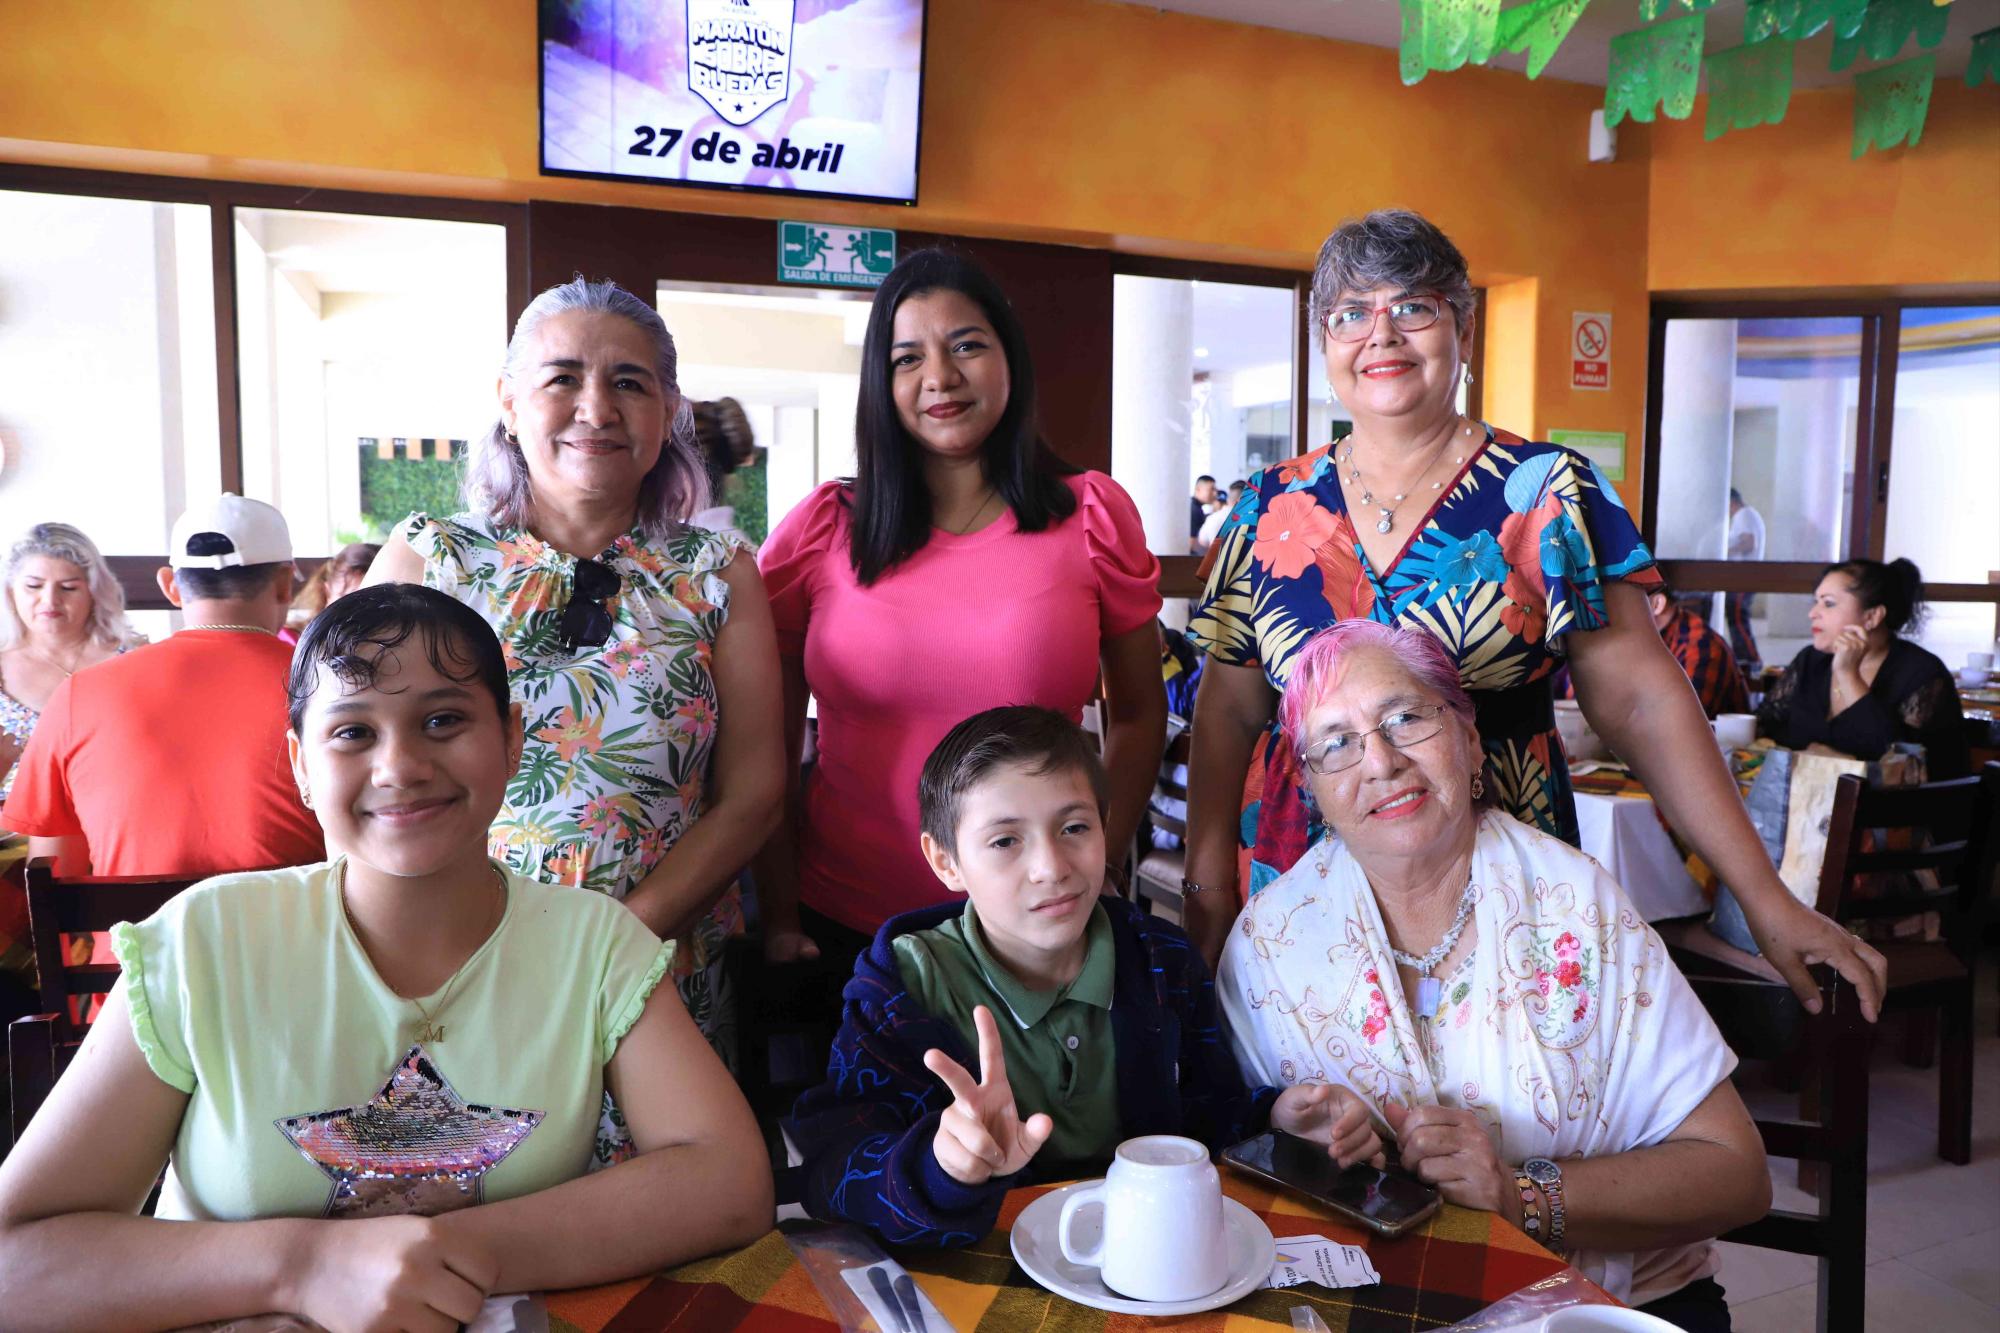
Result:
pixel 1096 1019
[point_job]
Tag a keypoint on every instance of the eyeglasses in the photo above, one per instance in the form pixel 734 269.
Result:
pixel 1410 314
pixel 586 622
pixel 1403 729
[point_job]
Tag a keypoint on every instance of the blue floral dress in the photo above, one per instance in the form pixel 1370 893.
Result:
pixel 1514 555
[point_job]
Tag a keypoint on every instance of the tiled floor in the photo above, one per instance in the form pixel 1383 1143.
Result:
pixel 1933 1228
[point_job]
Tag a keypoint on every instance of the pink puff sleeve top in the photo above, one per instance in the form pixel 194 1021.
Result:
pixel 998 616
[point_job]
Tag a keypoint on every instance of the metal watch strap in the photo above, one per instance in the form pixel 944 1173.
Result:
pixel 1548 1175
pixel 1189 888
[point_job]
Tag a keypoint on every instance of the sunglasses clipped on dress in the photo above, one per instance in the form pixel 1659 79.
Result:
pixel 586 620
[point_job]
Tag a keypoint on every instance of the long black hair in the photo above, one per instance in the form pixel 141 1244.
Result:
pixel 890 500
pixel 1897 587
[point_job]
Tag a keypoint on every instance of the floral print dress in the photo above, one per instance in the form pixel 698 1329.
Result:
pixel 1514 555
pixel 618 736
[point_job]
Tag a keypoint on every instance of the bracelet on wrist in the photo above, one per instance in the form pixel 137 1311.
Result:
pixel 1546 1176
pixel 1189 888
pixel 1531 1206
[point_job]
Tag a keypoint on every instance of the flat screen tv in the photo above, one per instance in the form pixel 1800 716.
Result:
pixel 810 97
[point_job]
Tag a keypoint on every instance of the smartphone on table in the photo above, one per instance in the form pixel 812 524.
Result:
pixel 1388 1203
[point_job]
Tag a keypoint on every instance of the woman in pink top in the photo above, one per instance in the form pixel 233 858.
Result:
pixel 964 567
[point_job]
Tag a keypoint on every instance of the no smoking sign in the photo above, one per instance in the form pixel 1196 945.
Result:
pixel 1590 349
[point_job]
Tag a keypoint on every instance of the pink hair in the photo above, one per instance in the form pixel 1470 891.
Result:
pixel 1318 667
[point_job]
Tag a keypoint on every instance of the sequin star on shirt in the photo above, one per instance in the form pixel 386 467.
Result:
pixel 415 1147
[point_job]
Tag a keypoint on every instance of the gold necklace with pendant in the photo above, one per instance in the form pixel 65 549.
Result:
pixel 431 1032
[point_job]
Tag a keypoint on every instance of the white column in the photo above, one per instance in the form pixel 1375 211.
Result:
pixel 1152 385
pixel 1696 438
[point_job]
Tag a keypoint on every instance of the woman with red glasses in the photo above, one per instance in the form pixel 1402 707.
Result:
pixel 640 648
pixel 1516 555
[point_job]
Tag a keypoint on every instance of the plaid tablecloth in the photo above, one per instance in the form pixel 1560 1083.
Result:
pixel 1460 1263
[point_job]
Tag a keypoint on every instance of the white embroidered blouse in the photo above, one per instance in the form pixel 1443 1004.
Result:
pixel 1565 1029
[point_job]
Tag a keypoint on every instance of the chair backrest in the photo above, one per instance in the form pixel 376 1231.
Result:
pixel 59 907
pixel 1763 1020
pixel 1951 829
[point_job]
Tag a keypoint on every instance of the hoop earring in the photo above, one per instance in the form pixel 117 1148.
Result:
pixel 1478 786
pixel 513 439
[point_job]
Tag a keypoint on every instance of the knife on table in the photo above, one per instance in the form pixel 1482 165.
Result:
pixel 913 1304
pixel 878 1277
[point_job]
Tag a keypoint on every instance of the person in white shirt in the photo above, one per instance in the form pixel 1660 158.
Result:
pixel 1746 542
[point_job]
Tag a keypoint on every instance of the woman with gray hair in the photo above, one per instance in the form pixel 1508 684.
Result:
pixel 1515 555
pixel 65 611
pixel 639 648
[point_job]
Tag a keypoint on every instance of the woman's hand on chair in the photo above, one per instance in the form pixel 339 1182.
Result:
pixel 1795 937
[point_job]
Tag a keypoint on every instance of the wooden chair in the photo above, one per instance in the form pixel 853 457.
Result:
pixel 1762 1019
pixel 1952 830
pixel 40 1045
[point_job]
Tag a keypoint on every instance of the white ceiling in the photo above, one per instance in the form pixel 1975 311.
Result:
pixel 357 253
pixel 1585 53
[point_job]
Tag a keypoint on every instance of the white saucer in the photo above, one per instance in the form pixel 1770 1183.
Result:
pixel 1039 1252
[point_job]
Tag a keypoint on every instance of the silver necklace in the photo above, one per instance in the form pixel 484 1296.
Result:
pixel 1430 991
pixel 1388 511
pixel 247 629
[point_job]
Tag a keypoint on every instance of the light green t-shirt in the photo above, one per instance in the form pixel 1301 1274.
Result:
pixel 1057 1044
pixel 309 1093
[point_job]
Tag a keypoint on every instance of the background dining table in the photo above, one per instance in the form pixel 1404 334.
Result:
pixel 1461 1262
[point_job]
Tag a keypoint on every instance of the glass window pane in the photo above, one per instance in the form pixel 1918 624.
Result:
pixel 1945 463
pixel 367 353
pixel 1766 408
pixel 1201 385
pixel 792 362
pixel 107 365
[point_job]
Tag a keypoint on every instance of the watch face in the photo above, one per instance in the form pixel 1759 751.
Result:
pixel 1541 1170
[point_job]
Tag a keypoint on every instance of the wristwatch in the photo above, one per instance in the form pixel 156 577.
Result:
pixel 1548 1177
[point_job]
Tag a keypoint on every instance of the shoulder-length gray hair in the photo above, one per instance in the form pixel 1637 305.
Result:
pixel 60 541
pixel 496 481
pixel 1391 247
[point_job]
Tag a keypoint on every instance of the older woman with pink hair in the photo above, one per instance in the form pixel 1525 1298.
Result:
pixel 1487 989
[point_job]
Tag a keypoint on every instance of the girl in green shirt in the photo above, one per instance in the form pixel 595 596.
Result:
pixel 375 1082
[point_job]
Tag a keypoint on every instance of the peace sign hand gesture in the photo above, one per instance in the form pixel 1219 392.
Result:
pixel 981 1135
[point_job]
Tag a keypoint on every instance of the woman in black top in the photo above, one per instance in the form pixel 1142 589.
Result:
pixel 1859 687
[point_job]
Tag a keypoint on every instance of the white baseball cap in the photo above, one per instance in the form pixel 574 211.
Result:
pixel 227 532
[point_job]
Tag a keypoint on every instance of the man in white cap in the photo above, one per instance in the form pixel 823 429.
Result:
pixel 173 763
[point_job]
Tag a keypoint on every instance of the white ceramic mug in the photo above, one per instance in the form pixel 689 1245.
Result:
pixel 1736 731
pixel 1972 677
pixel 1604 1319
pixel 1979 661
pixel 1162 1237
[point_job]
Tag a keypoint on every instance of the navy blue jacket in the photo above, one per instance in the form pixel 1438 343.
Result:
pixel 866 1132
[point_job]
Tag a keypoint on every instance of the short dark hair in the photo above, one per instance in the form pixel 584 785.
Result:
pixel 1204 477
pixel 890 500
pixel 1897 587
pixel 1039 738
pixel 459 644
pixel 233 584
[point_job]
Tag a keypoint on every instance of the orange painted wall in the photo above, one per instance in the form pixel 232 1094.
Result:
pixel 1784 206
pixel 1060 120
